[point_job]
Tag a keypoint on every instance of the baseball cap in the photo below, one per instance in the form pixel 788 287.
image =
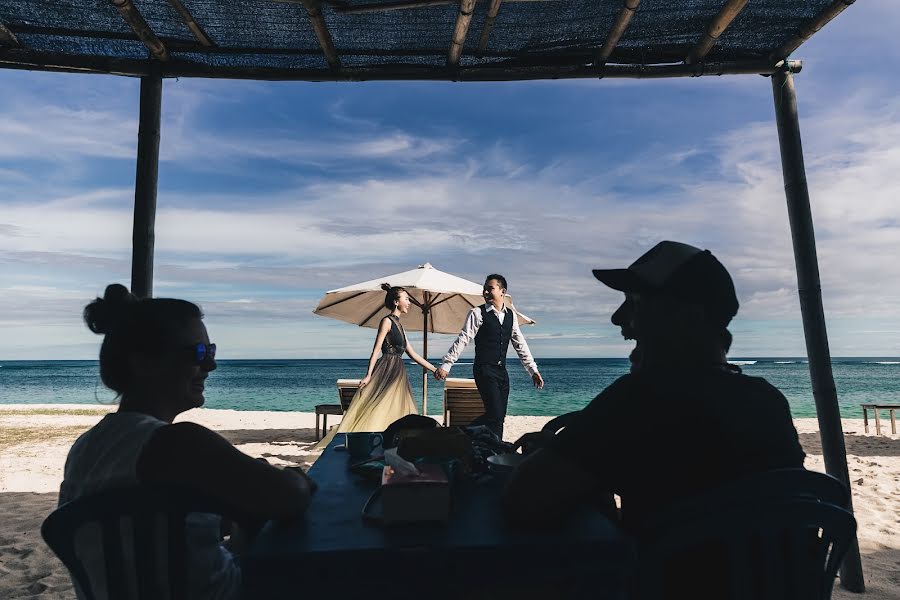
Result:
pixel 682 271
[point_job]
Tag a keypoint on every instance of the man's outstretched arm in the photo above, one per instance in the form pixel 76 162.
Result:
pixel 468 332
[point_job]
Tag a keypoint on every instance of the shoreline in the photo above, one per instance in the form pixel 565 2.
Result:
pixel 35 439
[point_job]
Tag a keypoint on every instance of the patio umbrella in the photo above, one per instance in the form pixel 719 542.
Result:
pixel 443 301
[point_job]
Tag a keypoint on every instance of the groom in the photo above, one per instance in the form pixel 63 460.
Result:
pixel 493 327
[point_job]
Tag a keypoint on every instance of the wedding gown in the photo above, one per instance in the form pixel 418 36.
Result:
pixel 388 395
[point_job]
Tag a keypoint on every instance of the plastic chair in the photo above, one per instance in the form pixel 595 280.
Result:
pixel 777 535
pixel 560 422
pixel 155 518
pixel 462 402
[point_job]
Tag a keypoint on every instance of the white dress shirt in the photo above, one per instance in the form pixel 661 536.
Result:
pixel 470 329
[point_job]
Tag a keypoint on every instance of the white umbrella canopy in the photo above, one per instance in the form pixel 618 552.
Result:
pixel 443 301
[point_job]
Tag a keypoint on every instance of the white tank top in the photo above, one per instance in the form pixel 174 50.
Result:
pixel 106 457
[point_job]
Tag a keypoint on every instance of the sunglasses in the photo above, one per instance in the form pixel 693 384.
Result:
pixel 202 352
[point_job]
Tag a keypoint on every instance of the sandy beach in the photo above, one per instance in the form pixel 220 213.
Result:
pixel 34 441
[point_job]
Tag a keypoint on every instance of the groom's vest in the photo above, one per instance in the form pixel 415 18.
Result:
pixel 492 339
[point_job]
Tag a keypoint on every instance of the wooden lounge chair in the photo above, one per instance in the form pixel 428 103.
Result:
pixel 346 390
pixel 462 402
pixel 154 516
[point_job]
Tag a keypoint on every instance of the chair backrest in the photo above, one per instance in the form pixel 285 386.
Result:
pixel 462 402
pixel 142 533
pixel 778 535
pixel 346 390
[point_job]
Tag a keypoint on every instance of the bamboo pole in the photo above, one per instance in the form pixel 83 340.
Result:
pixel 12 58
pixel 493 11
pixel 139 25
pixel 357 9
pixel 7 37
pixel 804 241
pixel 146 177
pixel 615 34
pixel 191 23
pixel 463 20
pixel 715 28
pixel 806 32
pixel 314 10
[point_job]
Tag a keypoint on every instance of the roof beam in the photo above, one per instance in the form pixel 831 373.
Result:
pixel 140 27
pixel 7 37
pixel 12 58
pixel 715 28
pixel 463 20
pixel 314 10
pixel 191 23
pixel 619 27
pixel 388 6
pixel 818 22
pixel 488 25
pixel 355 9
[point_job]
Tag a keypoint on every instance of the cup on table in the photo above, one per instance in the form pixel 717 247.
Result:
pixel 361 444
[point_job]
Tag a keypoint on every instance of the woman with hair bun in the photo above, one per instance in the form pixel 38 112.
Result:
pixel 384 394
pixel 156 356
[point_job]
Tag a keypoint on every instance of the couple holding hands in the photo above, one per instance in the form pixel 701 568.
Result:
pixel 384 394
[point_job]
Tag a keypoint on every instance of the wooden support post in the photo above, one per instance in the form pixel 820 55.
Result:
pixel 822 19
pixel 463 20
pixel 715 28
pixel 493 11
pixel 141 28
pixel 619 27
pixel 7 37
pixel 145 186
pixel 804 241
pixel 191 23
pixel 314 10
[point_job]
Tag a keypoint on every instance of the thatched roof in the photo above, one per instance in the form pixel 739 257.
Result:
pixel 407 39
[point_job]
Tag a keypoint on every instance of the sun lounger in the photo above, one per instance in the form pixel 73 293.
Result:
pixel 346 390
pixel 462 402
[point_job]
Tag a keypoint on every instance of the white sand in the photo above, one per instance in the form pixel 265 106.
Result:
pixel 33 449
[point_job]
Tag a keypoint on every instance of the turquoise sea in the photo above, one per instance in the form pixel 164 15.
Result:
pixel 298 385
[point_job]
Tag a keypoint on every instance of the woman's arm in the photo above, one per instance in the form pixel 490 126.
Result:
pixel 383 329
pixel 193 456
pixel 418 359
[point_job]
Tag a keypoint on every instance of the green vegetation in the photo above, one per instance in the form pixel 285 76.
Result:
pixel 83 412
pixel 13 436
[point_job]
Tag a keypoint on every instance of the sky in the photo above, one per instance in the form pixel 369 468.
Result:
pixel 272 193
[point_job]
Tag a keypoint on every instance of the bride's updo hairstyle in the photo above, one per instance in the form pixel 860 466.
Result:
pixel 392 295
pixel 132 326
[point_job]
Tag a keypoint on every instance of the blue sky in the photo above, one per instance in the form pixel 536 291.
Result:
pixel 272 193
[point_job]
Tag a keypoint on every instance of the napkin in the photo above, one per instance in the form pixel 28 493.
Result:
pixel 398 463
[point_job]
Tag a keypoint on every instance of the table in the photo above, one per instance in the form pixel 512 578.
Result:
pixel 876 408
pixel 476 554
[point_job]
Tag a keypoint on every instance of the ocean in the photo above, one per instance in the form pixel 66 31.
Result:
pixel 298 385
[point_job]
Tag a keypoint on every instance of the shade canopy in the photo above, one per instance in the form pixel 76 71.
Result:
pixel 446 299
pixel 319 40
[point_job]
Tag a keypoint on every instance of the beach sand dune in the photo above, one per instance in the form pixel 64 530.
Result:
pixel 34 441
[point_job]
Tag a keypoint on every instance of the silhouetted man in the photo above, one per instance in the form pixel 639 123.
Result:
pixel 682 421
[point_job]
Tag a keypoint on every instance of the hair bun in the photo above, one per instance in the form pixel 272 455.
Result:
pixel 102 314
pixel 386 287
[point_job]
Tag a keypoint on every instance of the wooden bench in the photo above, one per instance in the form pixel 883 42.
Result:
pixel 462 402
pixel 346 390
pixel 877 408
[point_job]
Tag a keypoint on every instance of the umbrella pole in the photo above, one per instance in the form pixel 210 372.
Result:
pixel 424 370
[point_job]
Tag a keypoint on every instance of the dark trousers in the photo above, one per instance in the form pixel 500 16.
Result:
pixel 492 382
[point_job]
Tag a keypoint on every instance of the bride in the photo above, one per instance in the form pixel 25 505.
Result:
pixel 384 394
